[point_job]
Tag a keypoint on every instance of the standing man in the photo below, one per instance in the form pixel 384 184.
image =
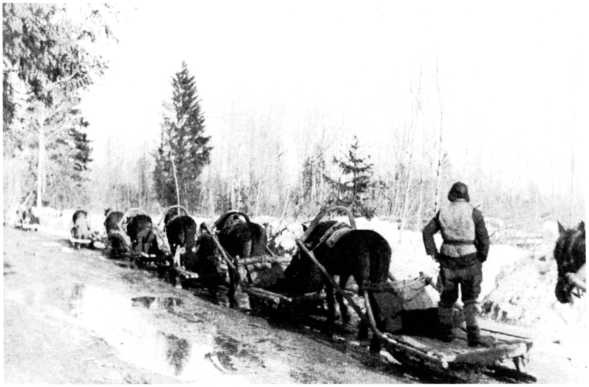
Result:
pixel 464 249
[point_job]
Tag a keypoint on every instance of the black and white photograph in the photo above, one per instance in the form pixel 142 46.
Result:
pixel 294 192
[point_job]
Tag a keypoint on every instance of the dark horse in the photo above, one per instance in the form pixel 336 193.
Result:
pixel 142 233
pixel 569 253
pixel 362 254
pixel 181 233
pixel 116 236
pixel 172 213
pixel 239 236
pixel 203 257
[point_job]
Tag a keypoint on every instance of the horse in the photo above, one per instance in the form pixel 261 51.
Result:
pixel 203 258
pixel 241 237
pixel 143 235
pixel 362 254
pixel 116 236
pixel 569 253
pixel 181 233
pixel 237 235
pixel 173 212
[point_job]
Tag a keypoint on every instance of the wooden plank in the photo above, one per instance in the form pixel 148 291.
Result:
pixel 458 351
pixel 263 293
pixel 493 354
pixel 80 241
pixel 28 227
pixel 263 259
pixel 186 273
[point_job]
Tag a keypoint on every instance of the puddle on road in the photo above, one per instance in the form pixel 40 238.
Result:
pixel 229 350
pixel 124 264
pixel 127 324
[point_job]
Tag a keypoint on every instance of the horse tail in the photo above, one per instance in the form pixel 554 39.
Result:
pixel 380 252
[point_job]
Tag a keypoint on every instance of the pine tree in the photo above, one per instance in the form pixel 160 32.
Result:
pixel 81 144
pixel 47 61
pixel 163 179
pixel 183 145
pixel 357 174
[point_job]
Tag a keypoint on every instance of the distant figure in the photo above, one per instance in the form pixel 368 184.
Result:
pixel 465 248
pixel 80 228
pixel 569 253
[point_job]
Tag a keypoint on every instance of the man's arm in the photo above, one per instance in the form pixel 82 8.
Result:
pixel 481 236
pixel 428 237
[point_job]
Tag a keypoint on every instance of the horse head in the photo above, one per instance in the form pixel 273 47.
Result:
pixel 302 275
pixel 569 253
pixel 203 255
pixel 230 218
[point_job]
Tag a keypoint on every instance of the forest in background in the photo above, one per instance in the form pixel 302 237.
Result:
pixel 49 61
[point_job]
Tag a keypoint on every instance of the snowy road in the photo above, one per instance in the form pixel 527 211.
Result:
pixel 73 316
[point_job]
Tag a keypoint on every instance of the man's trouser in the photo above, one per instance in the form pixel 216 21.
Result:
pixel 469 278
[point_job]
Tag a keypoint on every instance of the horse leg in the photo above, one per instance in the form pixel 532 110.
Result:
pixel 375 344
pixel 345 313
pixel 362 278
pixel 330 308
pixel 232 290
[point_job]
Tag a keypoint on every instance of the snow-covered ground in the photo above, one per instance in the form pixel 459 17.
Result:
pixel 518 284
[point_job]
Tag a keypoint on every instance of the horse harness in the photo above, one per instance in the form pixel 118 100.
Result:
pixel 333 234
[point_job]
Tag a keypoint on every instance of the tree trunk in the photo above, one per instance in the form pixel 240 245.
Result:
pixel 41 164
pixel 440 148
pixel 175 180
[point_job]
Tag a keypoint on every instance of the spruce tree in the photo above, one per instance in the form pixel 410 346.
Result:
pixel 183 142
pixel 352 188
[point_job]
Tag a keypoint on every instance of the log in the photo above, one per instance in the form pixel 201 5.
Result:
pixel 80 241
pixel 185 273
pixel 263 259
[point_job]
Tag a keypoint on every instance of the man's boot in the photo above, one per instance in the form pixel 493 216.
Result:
pixel 446 331
pixel 473 334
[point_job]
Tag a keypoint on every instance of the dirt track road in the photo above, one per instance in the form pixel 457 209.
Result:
pixel 72 316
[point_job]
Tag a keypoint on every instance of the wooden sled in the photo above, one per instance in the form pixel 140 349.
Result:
pixel 454 361
pixel 27 226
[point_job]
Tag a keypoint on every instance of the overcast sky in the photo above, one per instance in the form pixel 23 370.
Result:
pixel 512 75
